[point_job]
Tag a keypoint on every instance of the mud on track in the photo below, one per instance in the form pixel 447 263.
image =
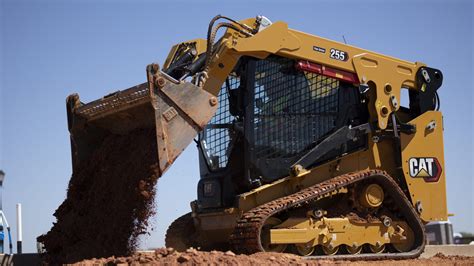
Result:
pixel 109 200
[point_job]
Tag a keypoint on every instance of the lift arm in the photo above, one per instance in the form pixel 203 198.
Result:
pixel 385 76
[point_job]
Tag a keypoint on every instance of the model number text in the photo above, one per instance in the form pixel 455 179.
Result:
pixel 338 54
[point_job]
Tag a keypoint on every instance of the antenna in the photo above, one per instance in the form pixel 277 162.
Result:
pixel 344 38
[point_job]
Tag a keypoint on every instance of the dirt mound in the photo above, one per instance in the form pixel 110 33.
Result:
pixel 109 200
pixel 168 256
pixel 194 257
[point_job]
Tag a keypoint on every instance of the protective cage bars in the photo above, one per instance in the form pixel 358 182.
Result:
pixel 289 110
pixel 292 110
pixel 216 138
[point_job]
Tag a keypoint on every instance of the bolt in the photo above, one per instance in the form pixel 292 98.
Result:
pixel 213 101
pixel 375 139
pixel 394 101
pixel 387 221
pixel 318 213
pixel 297 169
pixel 160 82
pixel 155 67
pixel 419 207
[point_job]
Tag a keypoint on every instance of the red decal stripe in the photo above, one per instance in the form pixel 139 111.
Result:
pixel 327 71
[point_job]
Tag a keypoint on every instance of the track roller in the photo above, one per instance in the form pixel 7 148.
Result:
pixel 354 249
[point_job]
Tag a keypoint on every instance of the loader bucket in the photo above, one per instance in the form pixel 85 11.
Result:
pixel 176 111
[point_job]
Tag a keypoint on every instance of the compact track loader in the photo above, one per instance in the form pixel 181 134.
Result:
pixel 304 145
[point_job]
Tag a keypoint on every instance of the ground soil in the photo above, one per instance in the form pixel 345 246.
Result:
pixel 193 257
pixel 109 200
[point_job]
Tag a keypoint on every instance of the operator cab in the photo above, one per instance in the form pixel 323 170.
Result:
pixel 271 113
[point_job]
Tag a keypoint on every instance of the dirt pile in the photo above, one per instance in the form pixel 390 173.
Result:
pixel 164 256
pixel 109 200
pixel 194 257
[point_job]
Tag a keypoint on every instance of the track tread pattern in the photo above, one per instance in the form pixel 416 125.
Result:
pixel 246 236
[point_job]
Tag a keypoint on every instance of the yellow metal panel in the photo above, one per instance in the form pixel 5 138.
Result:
pixel 420 151
pixel 387 77
pixel 293 236
pixel 335 231
pixel 271 40
pixel 356 161
pixel 307 51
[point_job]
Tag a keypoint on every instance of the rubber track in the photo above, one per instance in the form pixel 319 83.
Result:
pixel 181 233
pixel 246 236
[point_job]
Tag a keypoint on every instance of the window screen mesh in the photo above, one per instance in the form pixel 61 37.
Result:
pixel 293 109
pixel 216 136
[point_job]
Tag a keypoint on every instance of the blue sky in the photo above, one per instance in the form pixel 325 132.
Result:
pixel 49 49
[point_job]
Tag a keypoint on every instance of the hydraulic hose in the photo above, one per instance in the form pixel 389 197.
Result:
pixel 212 31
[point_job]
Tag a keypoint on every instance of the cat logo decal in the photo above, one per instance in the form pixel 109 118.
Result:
pixel 427 168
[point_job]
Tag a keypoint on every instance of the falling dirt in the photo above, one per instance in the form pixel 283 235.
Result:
pixel 109 200
pixel 192 256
